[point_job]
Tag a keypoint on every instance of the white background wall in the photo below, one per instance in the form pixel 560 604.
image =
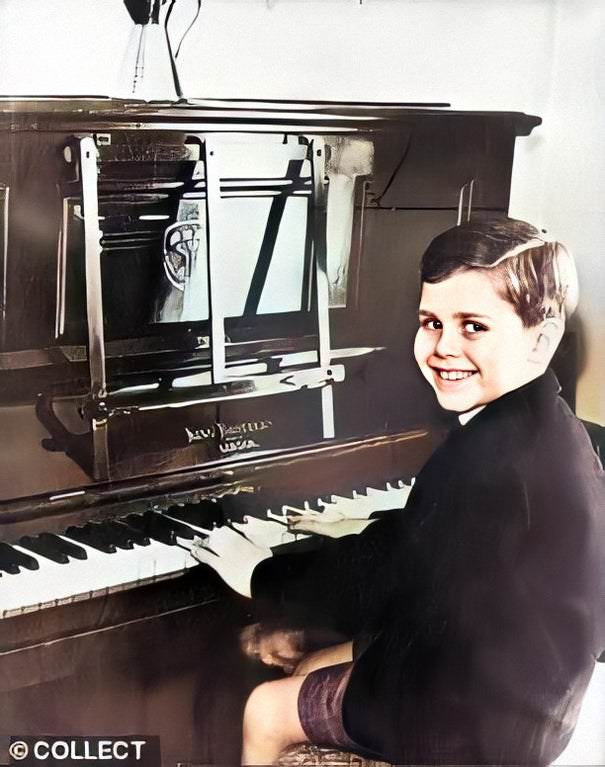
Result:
pixel 538 56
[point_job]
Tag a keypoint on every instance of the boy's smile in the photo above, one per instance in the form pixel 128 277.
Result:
pixel 472 346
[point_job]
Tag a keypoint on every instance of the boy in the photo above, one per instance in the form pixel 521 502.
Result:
pixel 477 612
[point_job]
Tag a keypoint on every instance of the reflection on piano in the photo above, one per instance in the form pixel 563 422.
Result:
pixel 206 315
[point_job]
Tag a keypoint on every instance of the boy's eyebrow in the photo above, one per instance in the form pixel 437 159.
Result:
pixel 457 315
pixel 468 315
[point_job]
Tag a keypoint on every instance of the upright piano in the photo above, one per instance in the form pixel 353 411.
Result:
pixel 206 311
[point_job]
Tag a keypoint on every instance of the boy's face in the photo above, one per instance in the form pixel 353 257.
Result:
pixel 471 345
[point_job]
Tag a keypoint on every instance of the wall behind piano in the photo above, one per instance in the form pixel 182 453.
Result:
pixel 538 56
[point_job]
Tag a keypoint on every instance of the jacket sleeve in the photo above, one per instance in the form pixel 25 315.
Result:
pixel 343 585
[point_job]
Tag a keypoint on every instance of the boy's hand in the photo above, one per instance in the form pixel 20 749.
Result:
pixel 273 647
pixel 231 555
pixel 264 532
pixel 331 528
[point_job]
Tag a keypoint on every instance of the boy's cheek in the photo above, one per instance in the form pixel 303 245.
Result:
pixel 421 349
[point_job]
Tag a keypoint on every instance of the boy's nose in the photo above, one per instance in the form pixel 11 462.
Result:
pixel 448 344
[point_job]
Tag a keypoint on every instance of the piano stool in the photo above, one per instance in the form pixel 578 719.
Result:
pixel 309 755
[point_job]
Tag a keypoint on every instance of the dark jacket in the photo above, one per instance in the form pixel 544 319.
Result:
pixel 481 606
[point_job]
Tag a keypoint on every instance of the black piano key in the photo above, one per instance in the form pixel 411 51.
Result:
pixel 125 535
pixel 205 514
pixel 11 560
pixel 112 534
pixel 181 530
pixel 47 545
pixel 238 505
pixel 91 536
pixel 6 562
pixel 159 527
pixel 71 549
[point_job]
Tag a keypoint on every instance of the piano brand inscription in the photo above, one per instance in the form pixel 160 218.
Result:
pixel 231 438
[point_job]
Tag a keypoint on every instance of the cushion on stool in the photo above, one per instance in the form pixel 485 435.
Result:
pixel 308 755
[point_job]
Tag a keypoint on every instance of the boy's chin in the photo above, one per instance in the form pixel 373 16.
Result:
pixel 457 404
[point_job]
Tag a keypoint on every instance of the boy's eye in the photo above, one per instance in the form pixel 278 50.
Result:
pixel 431 324
pixel 474 327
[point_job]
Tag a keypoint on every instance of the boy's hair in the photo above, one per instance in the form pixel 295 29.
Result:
pixel 538 276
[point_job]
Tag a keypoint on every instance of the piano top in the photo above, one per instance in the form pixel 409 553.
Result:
pixel 59 111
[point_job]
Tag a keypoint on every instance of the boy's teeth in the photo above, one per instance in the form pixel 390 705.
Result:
pixel 455 375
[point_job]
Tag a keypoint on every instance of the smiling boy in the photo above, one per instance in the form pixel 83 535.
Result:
pixel 471 347
pixel 490 320
pixel 477 612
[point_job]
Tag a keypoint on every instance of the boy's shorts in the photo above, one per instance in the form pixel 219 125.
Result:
pixel 320 706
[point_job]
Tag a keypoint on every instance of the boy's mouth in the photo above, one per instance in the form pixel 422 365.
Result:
pixel 453 375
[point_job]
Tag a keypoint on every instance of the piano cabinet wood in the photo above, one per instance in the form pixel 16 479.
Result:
pixel 163 661
pixel 438 158
pixel 244 487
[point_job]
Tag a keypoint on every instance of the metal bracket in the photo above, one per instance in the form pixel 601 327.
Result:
pixel 217 222
pixel 94 300
pixel 465 191
pixel 317 151
pixel 213 227
pixel 4 203
pixel 313 379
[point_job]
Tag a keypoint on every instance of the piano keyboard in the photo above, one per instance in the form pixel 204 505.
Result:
pixel 100 558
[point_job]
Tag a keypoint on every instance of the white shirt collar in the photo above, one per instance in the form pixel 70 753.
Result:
pixel 464 418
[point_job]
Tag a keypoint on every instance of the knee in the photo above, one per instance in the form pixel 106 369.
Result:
pixel 261 715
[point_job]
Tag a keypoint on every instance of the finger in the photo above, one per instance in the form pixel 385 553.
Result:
pixel 224 533
pixel 308 526
pixel 279 518
pixel 202 553
pixel 243 529
pixel 203 531
pixel 287 510
pixel 300 522
pixel 240 526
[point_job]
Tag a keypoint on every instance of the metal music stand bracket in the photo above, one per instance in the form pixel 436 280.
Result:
pixel 102 403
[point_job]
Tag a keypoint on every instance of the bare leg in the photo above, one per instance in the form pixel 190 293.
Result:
pixel 271 721
pixel 271 716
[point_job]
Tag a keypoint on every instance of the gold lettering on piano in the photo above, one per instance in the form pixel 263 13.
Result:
pixel 231 438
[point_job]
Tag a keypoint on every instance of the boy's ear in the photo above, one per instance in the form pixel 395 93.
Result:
pixel 548 336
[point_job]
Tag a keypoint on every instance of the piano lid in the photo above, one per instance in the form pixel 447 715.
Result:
pixel 33 112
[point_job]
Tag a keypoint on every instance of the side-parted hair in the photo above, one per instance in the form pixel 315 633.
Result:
pixel 537 276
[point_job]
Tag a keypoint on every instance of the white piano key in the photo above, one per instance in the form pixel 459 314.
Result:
pixel 28 586
pixel 393 498
pixel 98 574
